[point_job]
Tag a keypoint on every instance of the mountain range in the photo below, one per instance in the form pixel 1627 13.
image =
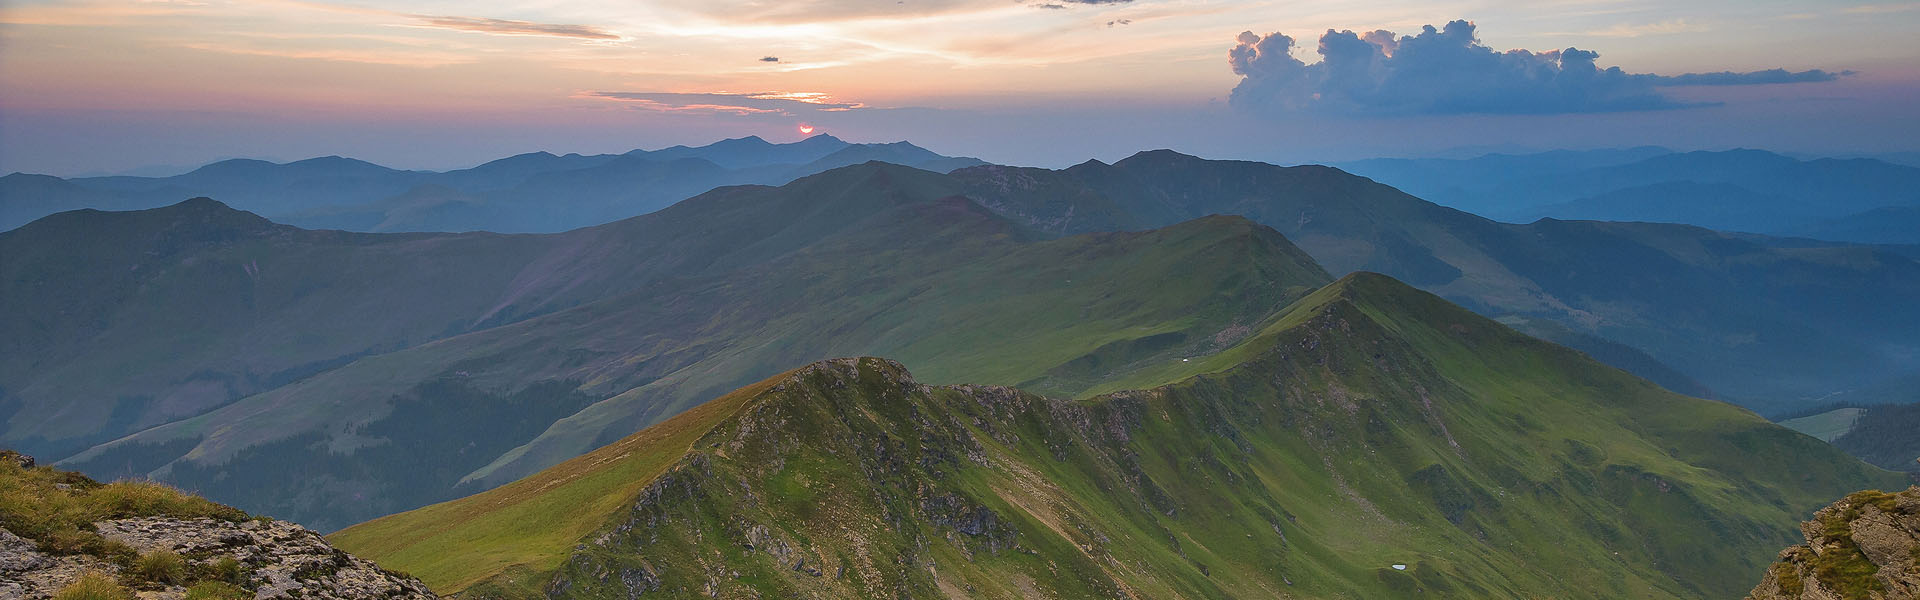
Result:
pixel 534 192
pixel 856 260
pixel 1763 322
pixel 1369 440
pixel 1853 200
pixel 285 370
pixel 1161 377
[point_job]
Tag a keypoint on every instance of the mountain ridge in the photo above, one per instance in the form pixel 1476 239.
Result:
pixel 1148 493
pixel 536 192
pixel 1560 270
pixel 874 257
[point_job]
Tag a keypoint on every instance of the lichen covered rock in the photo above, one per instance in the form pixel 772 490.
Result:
pixel 159 556
pixel 1864 547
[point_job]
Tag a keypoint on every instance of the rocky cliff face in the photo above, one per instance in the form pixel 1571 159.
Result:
pixel 159 556
pixel 1865 547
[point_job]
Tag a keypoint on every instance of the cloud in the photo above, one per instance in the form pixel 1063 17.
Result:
pixel 1056 5
pixel 1749 78
pixel 1875 9
pixel 769 59
pixel 510 27
pixel 1626 30
pixel 731 103
pixel 1448 71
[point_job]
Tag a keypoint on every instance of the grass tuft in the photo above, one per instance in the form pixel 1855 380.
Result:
pixel 94 585
pixel 161 566
pixel 57 509
pixel 216 590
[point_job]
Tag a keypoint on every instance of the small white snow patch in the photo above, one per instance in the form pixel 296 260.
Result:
pixel 1399 567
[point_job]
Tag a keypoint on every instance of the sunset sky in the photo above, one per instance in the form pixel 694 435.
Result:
pixel 106 86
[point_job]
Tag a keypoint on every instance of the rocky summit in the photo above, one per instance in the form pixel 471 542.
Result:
pixel 1866 547
pixel 166 552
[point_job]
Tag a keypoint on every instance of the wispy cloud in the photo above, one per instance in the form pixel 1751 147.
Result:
pixel 1874 9
pixel 730 103
pixel 1768 76
pixel 410 58
pixel 511 27
pixel 1633 30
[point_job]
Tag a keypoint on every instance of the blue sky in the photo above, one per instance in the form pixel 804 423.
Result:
pixel 92 86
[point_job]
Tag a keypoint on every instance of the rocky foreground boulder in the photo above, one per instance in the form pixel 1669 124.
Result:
pixel 1864 547
pixel 61 533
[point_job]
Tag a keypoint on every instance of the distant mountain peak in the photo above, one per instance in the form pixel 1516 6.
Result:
pixel 200 203
pixel 204 213
pixel 1160 155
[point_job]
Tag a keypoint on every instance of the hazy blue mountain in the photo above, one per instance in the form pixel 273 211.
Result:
pixel 1887 225
pixel 751 151
pixel 1722 206
pixel 1766 325
pixel 25 197
pixel 1464 183
pixel 529 193
pixel 1739 190
pixel 1836 186
pixel 509 171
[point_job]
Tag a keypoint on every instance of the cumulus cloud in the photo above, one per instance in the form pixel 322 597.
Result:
pixel 731 103
pixel 510 27
pixel 1448 71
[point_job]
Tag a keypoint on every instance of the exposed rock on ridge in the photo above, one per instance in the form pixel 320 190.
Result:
pixel 1866 546
pixel 260 558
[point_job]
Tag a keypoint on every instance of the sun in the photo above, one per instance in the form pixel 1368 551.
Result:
pixel 806 129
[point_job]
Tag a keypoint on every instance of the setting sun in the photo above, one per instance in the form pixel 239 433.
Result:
pixel 806 129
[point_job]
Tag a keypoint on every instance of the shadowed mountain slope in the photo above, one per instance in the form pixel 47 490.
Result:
pixel 1765 325
pixel 726 289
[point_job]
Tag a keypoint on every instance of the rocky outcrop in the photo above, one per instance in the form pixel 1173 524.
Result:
pixel 255 558
pixel 277 559
pixel 1864 547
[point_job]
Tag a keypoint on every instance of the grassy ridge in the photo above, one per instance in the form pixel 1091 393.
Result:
pixel 1367 425
pixel 531 524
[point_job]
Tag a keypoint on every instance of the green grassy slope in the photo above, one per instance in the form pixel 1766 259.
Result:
pixel 1769 327
pixel 938 281
pixel 1367 425
pixel 1827 425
